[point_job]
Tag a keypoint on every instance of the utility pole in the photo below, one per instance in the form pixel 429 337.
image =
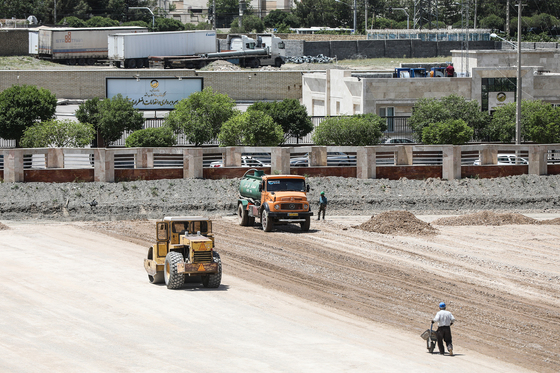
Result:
pixel 518 107
pixel 507 19
pixel 55 12
pixel 240 19
pixel 213 14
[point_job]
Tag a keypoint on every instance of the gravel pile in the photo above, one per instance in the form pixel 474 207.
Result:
pixel 486 218
pixel 158 198
pixel 3 227
pixel 398 223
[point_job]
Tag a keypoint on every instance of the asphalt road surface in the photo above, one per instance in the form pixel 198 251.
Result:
pixel 77 300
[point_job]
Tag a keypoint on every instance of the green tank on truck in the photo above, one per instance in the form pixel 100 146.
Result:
pixel 274 200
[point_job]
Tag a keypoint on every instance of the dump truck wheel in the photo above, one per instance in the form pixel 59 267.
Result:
pixel 173 279
pixel 214 280
pixel 306 224
pixel 266 222
pixel 251 221
pixel 243 215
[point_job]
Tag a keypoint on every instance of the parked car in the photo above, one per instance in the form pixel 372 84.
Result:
pixel 333 159
pixel 246 161
pixel 399 140
pixel 505 159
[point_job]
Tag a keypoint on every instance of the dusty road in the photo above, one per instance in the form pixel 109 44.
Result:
pixel 335 299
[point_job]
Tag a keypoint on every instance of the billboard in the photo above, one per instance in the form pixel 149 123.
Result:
pixel 153 93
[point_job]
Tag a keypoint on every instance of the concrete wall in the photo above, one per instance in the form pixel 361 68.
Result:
pixel 14 42
pixel 344 49
pixel 85 84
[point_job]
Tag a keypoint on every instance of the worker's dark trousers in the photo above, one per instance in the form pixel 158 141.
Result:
pixel 444 334
pixel 322 208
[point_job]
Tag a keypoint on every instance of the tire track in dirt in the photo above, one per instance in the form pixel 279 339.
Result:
pixel 399 280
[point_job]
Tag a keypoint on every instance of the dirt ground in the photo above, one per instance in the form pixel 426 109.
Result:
pixel 501 282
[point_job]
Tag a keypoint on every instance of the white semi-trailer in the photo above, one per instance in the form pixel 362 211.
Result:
pixel 133 50
pixel 75 45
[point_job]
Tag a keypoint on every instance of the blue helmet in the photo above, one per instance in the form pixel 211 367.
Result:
pixel 442 305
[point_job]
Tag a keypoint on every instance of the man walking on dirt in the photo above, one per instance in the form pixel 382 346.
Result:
pixel 322 206
pixel 444 319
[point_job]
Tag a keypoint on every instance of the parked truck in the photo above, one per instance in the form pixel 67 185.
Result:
pixel 74 45
pixel 134 50
pixel 274 199
pixel 240 50
pixel 184 248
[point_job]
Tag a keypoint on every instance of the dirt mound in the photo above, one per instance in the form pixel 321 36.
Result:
pixel 221 65
pixel 3 227
pixel 551 221
pixel 397 223
pixel 486 218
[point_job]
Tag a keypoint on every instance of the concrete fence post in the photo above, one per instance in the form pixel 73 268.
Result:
pixel 104 165
pixel 365 162
pixel 451 168
pixel 538 155
pixel 55 158
pixel 318 156
pixel 404 155
pixel 280 161
pixel 233 156
pixel 13 166
pixel 489 155
pixel 192 163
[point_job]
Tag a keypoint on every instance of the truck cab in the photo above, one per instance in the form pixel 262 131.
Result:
pixel 274 199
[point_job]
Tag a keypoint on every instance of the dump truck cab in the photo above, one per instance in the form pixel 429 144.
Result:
pixel 184 247
pixel 274 199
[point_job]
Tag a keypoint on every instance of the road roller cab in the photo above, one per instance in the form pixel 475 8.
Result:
pixel 184 248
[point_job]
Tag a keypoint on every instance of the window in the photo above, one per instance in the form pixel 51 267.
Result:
pixel 389 114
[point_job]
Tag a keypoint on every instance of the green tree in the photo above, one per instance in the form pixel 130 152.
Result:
pixel 493 22
pixel 357 130
pixel 455 132
pixel 540 122
pixel 152 138
pixel 110 117
pixel 289 114
pixel 201 115
pixel 21 106
pixel 250 24
pixel 58 133
pixel 278 17
pixel 252 128
pixel 72 22
pixel 168 24
pixel 98 21
pixel 432 110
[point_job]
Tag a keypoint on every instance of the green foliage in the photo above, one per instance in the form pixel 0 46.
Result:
pixel 110 117
pixel 72 22
pixel 357 130
pixel 101 22
pixel 58 133
pixel 455 132
pixel 289 114
pixel 540 122
pixel 168 24
pixel 201 115
pixel 493 22
pixel 250 24
pixel 252 128
pixel 278 18
pixel 431 110
pixel 137 23
pixel 21 106
pixel 199 26
pixel 152 138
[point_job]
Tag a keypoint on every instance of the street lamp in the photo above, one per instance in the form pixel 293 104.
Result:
pixel 149 10
pixel 518 47
pixel 407 16
pixel 355 12
pixel 507 41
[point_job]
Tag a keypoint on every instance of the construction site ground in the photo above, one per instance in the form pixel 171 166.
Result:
pixel 340 298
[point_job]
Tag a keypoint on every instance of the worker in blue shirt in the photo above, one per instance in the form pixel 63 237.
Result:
pixel 322 206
